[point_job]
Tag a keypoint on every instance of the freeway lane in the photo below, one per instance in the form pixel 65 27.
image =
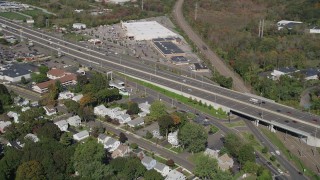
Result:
pixel 228 98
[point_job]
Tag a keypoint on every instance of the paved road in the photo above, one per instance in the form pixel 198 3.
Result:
pixel 178 158
pixel 283 161
pixel 273 113
pixel 25 92
pixel 219 65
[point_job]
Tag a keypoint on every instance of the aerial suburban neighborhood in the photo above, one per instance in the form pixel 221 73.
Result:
pixel 159 89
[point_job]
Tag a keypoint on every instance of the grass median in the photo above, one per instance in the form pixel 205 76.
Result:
pixel 218 113
pixel 13 16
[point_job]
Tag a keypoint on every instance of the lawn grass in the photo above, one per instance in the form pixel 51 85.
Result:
pixel 13 16
pixel 177 149
pixel 299 164
pixel 76 37
pixel 218 113
pixel 235 124
pixel 213 129
pixel 34 13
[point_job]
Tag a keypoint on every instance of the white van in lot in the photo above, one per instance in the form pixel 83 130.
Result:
pixel 254 101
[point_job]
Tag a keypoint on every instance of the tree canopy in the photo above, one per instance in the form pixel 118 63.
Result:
pixel 193 137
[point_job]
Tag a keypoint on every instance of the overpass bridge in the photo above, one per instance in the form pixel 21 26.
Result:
pixel 269 112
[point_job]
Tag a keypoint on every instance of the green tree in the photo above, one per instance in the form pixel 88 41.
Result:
pixel 205 167
pixel 246 153
pixel 250 167
pixel 72 106
pixel 170 163
pixel 157 110
pixel 134 146
pixel 23 80
pixel 193 137
pixel 66 139
pixel 265 175
pixel 99 81
pixel 5 96
pixel 122 137
pixel 152 175
pixel 222 175
pixel 233 144
pixel 43 69
pixel 265 150
pixel 272 158
pixel 149 135
pixel 86 113
pixel 133 108
pixel 165 123
pixel 38 78
pixel 49 130
pixel 30 170
pixel 1 107
pixel 10 162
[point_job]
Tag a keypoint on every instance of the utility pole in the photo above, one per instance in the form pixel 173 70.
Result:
pixel 262 28
pixel 259 28
pixel 196 11
pixel 47 22
pixel 21 38
pixel 142 5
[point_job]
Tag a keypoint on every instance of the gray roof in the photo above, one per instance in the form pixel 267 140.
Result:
pixel 179 59
pixel 287 69
pixel 168 47
pixel 16 70
pixel 200 66
pixel 159 166
pixel 136 121
pixel 110 141
pixel 147 160
pixel 102 136
pixel 310 72
pixel 82 134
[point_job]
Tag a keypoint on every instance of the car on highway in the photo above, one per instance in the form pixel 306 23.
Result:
pixel 280 171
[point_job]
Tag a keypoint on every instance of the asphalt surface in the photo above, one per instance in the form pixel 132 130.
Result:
pixel 294 173
pixel 219 65
pixel 238 102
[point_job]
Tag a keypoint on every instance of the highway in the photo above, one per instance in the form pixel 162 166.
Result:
pixel 237 102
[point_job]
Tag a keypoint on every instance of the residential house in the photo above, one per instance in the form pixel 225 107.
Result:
pixel 139 153
pixel 70 79
pixel 175 175
pixel 50 110
pixel 311 73
pixel 162 169
pixel 115 112
pixel 3 125
pixel 66 95
pixel 74 121
pixel 32 137
pixel 145 107
pixel 25 109
pixel 101 110
pixel 108 142
pixel 116 84
pixel 14 115
pixel 156 134
pixel 111 144
pixel 77 97
pixel 123 118
pixel 78 26
pixel 121 151
pixel 173 138
pixel 136 122
pixel 148 162
pixel 212 153
pixel 62 125
pixel 225 162
pixel 287 24
pixel 283 71
pixel 81 135
pixel 34 104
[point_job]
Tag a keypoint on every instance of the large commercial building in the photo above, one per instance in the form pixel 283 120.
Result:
pixel 146 30
pixel 167 48
pixel 14 72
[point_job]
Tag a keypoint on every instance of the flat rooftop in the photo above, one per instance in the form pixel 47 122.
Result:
pixel 147 30
pixel 179 60
pixel 168 47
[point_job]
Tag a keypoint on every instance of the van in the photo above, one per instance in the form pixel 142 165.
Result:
pixel 254 101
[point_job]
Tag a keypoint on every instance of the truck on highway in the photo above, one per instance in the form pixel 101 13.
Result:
pixel 254 100
pixel 3 25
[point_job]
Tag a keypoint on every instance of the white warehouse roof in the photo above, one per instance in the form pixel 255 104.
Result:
pixel 147 30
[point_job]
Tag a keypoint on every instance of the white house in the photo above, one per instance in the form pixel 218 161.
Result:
pixel 123 118
pixel 148 162
pixel 81 135
pixel 145 107
pixel 288 24
pixel 79 26
pixel 121 151
pixel 14 115
pixel 3 125
pixel 162 169
pixel 100 110
pixel 74 121
pixel 136 122
pixel 66 95
pixel 50 110
pixel 77 97
pixel 116 112
pixel 314 30
pixel 283 71
pixel 175 175
pixel 62 125
pixel 32 137
pixel 25 109
pixel 109 143
pixel 173 138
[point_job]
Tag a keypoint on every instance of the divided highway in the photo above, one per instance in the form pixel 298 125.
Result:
pixel 237 102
